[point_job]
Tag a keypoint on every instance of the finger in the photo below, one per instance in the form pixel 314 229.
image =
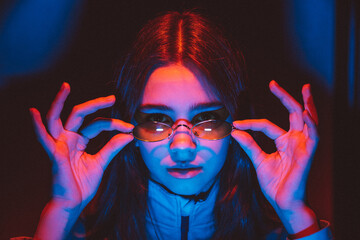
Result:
pixel 311 126
pixel 113 147
pixel 262 125
pixel 105 124
pixel 249 145
pixel 53 116
pixel 309 103
pixel 294 108
pixel 44 138
pixel 78 113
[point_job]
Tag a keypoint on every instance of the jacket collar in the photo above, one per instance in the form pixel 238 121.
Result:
pixel 165 211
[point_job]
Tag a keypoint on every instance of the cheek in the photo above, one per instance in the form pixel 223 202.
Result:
pixel 213 153
pixel 154 155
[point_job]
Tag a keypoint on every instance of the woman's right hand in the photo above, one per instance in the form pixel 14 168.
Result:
pixel 77 174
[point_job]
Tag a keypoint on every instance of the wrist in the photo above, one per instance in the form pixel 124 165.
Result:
pixel 56 220
pixel 70 206
pixel 306 232
pixel 299 219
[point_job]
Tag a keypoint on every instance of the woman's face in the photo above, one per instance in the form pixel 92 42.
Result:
pixel 183 163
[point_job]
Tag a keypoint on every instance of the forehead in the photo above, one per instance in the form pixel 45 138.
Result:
pixel 177 87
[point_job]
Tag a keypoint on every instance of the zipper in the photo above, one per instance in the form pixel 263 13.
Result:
pixel 184 227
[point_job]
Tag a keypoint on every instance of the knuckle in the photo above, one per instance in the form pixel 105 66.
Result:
pixel 103 122
pixel 264 124
pixel 77 111
pixel 266 121
pixel 99 119
pixel 97 122
pixel 298 107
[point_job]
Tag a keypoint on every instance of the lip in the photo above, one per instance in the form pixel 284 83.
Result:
pixel 184 173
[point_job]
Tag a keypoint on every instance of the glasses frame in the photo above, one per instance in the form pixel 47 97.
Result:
pixel 191 129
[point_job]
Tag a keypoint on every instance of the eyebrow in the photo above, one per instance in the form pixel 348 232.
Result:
pixel 200 106
pixel 154 107
pixel 197 106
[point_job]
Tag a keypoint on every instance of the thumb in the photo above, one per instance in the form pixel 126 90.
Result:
pixel 112 148
pixel 249 145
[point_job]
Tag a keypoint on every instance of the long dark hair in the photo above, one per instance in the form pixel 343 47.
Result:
pixel 189 39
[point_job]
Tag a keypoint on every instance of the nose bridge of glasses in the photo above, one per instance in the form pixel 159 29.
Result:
pixel 181 125
pixel 182 131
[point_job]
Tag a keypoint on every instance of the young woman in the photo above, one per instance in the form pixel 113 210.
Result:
pixel 181 165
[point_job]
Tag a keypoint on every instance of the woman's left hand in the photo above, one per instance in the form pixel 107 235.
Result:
pixel 283 174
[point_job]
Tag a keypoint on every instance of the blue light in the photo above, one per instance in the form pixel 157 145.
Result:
pixel 310 28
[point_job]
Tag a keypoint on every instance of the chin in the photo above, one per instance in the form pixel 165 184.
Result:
pixel 186 187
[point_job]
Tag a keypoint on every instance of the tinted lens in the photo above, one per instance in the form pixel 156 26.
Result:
pixel 152 131
pixel 212 129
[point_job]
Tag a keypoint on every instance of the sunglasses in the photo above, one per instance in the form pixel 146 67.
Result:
pixel 153 131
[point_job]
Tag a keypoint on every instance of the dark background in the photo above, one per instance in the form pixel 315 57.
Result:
pixel 293 42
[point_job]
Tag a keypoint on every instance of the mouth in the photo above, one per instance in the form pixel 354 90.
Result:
pixel 184 173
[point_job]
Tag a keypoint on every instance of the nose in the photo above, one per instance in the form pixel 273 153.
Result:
pixel 182 144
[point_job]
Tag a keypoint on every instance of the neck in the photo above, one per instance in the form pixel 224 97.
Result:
pixel 202 196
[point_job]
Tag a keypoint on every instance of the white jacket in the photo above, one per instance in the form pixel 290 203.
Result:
pixel 170 216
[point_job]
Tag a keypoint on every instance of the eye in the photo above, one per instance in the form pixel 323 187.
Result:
pixel 204 116
pixel 159 117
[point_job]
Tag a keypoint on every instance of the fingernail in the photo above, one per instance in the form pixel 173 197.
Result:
pixel 32 110
pixel 65 85
pixel 272 84
pixel 307 90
